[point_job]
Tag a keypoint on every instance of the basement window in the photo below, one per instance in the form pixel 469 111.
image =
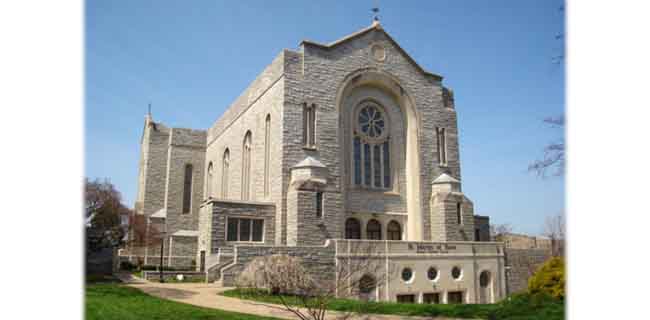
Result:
pixel 406 298
pixel 455 297
pixel 431 298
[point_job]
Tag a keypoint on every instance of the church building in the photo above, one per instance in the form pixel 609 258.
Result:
pixel 332 144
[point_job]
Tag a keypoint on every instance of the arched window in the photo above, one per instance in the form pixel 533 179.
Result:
pixel 352 229
pixel 208 183
pixel 371 147
pixel 394 231
pixel 484 279
pixel 224 174
pixel 246 166
pixel 187 189
pixel 267 153
pixel 373 230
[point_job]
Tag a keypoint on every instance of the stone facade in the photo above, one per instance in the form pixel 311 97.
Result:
pixel 481 228
pixel 522 264
pixel 522 241
pixel 292 164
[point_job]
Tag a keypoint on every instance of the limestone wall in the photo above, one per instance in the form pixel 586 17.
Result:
pixel 222 209
pixel 186 146
pixel 523 263
pixel 482 224
pixel 264 97
pixel 155 149
pixel 324 70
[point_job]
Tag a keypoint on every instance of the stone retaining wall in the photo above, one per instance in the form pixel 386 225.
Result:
pixel 523 263
pixel 169 275
pixel 320 261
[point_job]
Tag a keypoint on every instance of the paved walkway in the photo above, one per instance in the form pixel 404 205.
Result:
pixel 207 295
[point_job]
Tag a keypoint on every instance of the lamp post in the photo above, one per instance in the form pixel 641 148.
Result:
pixel 162 248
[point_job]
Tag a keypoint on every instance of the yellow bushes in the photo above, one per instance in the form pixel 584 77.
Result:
pixel 549 279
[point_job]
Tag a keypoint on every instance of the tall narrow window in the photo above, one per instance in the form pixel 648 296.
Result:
pixel 442 146
pixel 357 160
pixel 267 155
pixel 371 147
pixel 224 174
pixel 352 229
pixel 309 125
pixel 319 204
pixel 367 165
pixel 459 213
pixel 187 189
pixel 246 166
pixel 208 183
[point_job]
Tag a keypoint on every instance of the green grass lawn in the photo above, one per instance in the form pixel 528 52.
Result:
pixel 108 301
pixel 518 307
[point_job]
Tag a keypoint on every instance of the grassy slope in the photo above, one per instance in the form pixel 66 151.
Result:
pixel 517 308
pixel 114 301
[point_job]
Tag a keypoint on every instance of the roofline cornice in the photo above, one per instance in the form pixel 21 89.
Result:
pixel 378 27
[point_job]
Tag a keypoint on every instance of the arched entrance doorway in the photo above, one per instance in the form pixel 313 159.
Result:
pixel 485 287
pixel 367 288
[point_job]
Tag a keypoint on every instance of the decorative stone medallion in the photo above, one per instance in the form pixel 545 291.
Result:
pixel 378 52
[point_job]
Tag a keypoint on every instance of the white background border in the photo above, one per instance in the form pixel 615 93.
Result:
pixel 608 96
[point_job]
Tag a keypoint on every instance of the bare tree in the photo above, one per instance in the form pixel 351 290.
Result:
pixel 497 231
pixel 554 229
pixel 358 274
pixel 554 153
pixel 103 211
pixel 142 233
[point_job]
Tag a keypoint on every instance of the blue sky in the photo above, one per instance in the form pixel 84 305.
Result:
pixel 191 59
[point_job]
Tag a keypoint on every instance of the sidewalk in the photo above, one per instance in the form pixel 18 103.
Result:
pixel 207 295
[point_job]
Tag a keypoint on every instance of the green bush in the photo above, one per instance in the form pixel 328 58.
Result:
pixel 549 279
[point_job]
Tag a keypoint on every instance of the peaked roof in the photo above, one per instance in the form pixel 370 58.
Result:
pixel 445 178
pixel 374 26
pixel 186 233
pixel 162 213
pixel 309 162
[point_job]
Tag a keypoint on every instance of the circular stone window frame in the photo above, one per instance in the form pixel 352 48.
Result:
pixel 460 276
pixel 357 126
pixel 409 281
pixel 437 277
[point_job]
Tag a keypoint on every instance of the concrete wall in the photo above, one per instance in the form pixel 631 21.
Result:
pixel 388 260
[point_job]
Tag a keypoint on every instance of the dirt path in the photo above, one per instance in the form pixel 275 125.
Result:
pixel 207 295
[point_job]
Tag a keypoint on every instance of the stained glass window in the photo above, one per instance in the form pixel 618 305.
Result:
pixel 371 148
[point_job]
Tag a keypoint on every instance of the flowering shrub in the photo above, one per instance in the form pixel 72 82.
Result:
pixel 549 279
